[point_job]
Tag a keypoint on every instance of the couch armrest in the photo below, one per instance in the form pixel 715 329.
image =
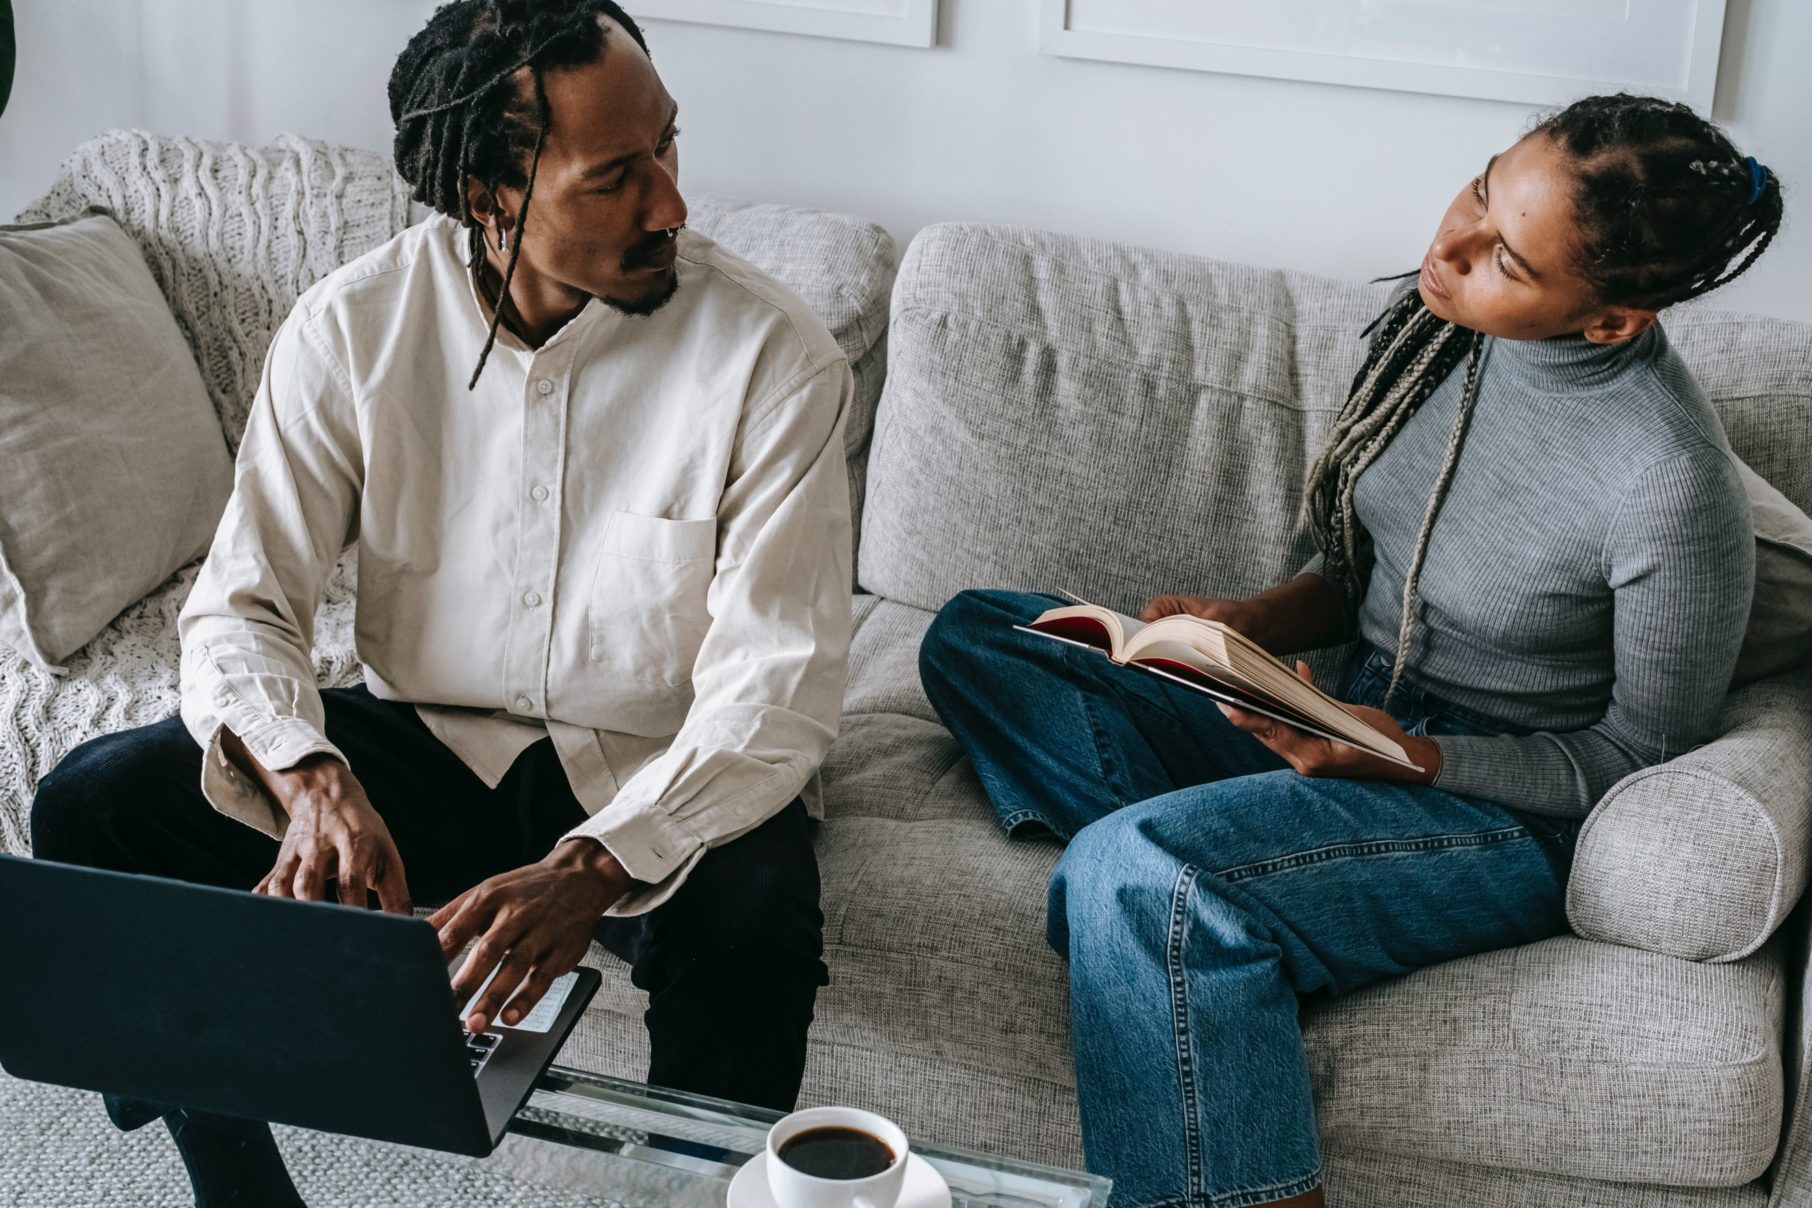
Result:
pixel 1704 856
pixel 1790 1177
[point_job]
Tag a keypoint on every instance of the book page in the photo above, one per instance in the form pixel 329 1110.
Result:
pixel 1217 659
pixel 1225 687
pixel 1128 625
pixel 1172 650
pixel 1092 624
pixel 1236 658
pixel 1190 679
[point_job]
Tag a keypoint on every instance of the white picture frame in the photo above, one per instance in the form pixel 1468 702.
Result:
pixel 1666 48
pixel 899 22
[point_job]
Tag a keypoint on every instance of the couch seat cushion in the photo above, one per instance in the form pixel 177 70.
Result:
pixel 1569 1056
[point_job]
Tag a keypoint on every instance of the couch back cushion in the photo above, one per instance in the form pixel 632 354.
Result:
pixel 1112 421
pixel 1758 371
pixel 1115 421
pixel 234 234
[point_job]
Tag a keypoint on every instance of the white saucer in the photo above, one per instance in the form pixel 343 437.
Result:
pixel 925 1187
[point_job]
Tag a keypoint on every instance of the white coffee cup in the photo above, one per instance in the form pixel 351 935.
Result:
pixel 792 1188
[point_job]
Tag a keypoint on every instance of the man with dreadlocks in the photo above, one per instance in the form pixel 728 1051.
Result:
pixel 1575 616
pixel 593 465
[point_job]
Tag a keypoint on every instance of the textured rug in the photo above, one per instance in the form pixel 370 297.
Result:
pixel 59 1150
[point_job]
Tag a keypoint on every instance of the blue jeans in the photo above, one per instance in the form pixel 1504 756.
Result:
pixel 1207 885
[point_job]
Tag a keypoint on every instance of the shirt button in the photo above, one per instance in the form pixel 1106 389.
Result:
pixel 531 598
pixel 544 387
pixel 524 704
pixel 539 492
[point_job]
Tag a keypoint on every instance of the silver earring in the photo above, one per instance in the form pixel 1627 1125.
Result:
pixel 503 239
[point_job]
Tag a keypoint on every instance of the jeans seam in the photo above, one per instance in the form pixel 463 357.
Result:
pixel 1374 847
pixel 1023 815
pixel 1179 1006
pixel 1112 774
pixel 1243 1197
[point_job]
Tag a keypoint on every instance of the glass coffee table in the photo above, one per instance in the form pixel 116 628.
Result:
pixel 644 1147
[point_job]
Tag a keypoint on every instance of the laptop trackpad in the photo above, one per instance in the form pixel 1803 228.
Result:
pixel 545 1012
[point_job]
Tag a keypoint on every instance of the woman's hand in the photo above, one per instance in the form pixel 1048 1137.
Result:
pixel 1306 613
pixel 1235 614
pixel 1313 755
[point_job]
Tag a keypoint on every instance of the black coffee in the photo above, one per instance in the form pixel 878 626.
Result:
pixel 836 1153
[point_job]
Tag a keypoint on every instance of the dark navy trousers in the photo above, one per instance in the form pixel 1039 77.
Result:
pixel 731 963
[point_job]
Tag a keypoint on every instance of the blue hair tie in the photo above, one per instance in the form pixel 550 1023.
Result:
pixel 1758 179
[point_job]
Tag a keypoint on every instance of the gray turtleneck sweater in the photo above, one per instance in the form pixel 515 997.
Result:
pixel 1589 574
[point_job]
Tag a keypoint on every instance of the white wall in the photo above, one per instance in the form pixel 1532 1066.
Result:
pixel 1344 181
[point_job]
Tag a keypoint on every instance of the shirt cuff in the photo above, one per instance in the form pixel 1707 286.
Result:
pixel 1498 768
pixel 646 840
pixel 1470 767
pixel 240 796
pixel 284 742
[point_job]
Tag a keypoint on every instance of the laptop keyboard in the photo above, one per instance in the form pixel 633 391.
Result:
pixel 479 1049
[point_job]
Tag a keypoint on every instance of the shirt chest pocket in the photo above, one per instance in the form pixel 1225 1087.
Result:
pixel 647 612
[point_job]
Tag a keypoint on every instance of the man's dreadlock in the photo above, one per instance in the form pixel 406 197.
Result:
pixel 463 111
pixel 1664 204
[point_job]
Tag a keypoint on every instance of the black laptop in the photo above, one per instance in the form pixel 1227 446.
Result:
pixel 306 1013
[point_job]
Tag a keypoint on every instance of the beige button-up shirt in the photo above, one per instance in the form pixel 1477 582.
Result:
pixel 634 539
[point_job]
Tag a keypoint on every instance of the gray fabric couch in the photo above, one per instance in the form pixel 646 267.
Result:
pixel 1066 413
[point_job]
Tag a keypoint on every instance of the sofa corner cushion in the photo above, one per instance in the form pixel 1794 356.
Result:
pixel 1704 856
pixel 840 266
pixel 116 470
pixel 1567 1057
pixel 1757 371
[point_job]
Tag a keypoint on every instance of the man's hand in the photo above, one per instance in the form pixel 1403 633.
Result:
pixel 1313 755
pixel 334 834
pixel 534 924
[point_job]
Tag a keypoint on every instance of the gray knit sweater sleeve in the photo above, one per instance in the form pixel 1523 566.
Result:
pixel 1679 557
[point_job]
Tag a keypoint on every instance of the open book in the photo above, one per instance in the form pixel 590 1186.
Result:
pixel 1213 658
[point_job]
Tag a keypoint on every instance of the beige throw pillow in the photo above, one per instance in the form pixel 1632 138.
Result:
pixel 116 471
pixel 1779 637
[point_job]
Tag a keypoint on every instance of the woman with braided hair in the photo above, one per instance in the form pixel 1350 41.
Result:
pixel 1530 520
